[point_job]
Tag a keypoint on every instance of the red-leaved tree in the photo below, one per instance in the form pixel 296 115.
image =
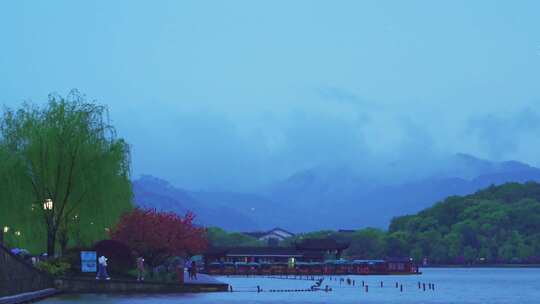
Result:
pixel 159 235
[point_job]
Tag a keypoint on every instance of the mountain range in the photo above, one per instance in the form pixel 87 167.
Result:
pixel 335 198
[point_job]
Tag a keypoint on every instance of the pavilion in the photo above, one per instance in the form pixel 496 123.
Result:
pixel 307 250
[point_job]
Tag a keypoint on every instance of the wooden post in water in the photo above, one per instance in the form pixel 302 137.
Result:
pixel 258 288
pixel 401 288
pixel 382 284
pixel 397 285
pixel 433 286
pixel 424 286
pixel 367 288
pixel 419 285
pixel 363 283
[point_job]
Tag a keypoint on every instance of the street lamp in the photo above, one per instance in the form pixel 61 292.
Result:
pixel 4 231
pixel 48 204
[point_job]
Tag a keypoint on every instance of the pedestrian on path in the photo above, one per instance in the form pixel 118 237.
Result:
pixel 102 269
pixel 140 268
pixel 193 271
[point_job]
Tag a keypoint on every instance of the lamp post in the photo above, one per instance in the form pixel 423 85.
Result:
pixel 48 204
pixel 48 207
pixel 5 230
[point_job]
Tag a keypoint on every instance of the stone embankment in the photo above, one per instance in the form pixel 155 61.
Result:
pixel 20 281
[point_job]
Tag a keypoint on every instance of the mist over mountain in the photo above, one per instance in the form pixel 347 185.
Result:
pixel 152 192
pixel 333 198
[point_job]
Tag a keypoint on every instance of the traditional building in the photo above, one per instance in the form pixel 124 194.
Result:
pixel 308 250
pixel 306 257
pixel 273 236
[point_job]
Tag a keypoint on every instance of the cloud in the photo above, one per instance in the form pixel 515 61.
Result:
pixel 505 135
pixel 338 94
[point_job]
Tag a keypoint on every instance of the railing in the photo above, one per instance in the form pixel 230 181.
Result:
pixel 17 276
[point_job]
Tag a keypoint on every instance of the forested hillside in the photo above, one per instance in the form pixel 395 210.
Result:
pixel 500 224
pixel 497 224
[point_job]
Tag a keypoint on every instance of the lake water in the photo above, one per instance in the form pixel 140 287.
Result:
pixel 461 285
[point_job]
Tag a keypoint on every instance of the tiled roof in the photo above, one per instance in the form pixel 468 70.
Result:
pixel 258 234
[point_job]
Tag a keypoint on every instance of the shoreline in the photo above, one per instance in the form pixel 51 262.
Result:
pixel 484 266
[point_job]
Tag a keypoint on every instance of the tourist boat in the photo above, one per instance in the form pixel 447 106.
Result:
pixel 299 260
pixel 265 269
pixel 215 268
pixel 279 268
pixel 253 268
pixel 291 270
pixel 341 267
pixel 329 268
pixel 397 266
pixel 228 268
pixel 242 268
pixel 303 268
pixel 365 267
pixel 401 266
pixel 316 268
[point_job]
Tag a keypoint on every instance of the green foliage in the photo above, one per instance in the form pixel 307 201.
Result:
pixel 218 237
pixel 500 224
pixel 55 267
pixel 67 152
pixel 323 234
pixel 369 243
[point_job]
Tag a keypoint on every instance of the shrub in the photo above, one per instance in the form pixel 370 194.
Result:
pixel 54 267
pixel 120 259
pixel 72 256
pixel 159 235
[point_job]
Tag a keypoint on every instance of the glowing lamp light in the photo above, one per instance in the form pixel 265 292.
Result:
pixel 48 204
pixel 17 233
pixel 6 229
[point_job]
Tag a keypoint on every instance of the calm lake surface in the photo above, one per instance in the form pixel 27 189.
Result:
pixel 462 285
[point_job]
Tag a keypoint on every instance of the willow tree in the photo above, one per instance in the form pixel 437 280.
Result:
pixel 71 167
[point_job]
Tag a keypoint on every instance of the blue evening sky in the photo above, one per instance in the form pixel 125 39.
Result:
pixel 236 94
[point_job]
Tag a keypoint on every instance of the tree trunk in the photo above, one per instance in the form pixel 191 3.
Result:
pixel 51 241
pixel 63 240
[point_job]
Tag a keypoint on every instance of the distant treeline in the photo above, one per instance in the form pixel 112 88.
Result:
pixel 500 224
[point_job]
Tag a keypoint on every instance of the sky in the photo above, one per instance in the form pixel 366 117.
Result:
pixel 233 95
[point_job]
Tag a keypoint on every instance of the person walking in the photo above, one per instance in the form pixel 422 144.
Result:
pixel 102 269
pixel 140 268
pixel 193 270
pixel 187 266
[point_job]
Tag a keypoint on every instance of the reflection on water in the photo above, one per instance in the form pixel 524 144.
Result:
pixel 487 285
